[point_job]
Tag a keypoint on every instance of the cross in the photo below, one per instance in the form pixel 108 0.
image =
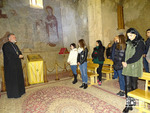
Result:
pixel 2 15
pixel 37 70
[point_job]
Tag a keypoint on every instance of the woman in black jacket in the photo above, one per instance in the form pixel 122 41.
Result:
pixel 98 58
pixel 82 62
pixel 118 59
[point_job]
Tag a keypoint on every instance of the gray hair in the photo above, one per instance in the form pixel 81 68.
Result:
pixel 8 36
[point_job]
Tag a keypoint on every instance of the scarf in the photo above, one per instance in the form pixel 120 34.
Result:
pixel 80 50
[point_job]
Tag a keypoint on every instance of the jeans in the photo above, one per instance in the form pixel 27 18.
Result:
pixel 121 80
pixel 130 84
pixel 83 70
pixel 115 74
pixel 146 66
pixel 74 69
pixel 99 71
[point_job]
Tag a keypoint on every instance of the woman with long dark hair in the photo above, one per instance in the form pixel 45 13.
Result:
pixel 133 65
pixel 98 58
pixel 82 62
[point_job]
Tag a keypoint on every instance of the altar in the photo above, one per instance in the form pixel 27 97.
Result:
pixel 35 69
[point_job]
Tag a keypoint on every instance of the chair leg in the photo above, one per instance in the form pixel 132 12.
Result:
pixel 95 79
pixel 141 106
pixel 110 76
pixel 91 80
pixel 107 76
pixel 146 105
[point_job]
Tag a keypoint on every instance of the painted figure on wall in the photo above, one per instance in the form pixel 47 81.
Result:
pixel 51 27
pixel 2 15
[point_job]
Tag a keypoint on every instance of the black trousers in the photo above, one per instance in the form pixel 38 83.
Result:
pixel 130 83
pixel 99 71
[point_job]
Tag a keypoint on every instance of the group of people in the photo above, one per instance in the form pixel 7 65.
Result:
pixel 127 55
pixel 79 57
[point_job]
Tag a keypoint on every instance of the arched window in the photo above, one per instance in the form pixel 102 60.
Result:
pixel 36 4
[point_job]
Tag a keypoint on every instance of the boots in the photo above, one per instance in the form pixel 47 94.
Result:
pixel 129 103
pixel 83 84
pixel 75 79
pixel 127 108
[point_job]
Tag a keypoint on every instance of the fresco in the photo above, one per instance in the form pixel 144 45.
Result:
pixel 51 27
pixel 48 26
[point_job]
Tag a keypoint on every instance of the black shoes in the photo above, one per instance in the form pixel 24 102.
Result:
pixel 75 79
pixel 129 103
pixel 84 86
pixel 127 109
pixel 121 93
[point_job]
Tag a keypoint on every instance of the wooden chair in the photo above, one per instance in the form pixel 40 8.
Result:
pixel 142 95
pixel 108 69
pixel 92 73
pixel 89 60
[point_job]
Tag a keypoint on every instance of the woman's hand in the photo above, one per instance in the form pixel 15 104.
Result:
pixel 124 64
pixel 148 61
pixel 21 56
pixel 78 63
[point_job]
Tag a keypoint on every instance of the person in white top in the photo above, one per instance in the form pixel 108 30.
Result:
pixel 72 60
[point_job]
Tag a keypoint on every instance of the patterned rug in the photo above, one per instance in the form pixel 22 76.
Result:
pixel 64 97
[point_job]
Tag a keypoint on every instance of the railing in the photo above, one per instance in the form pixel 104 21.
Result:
pixel 56 69
pixel 26 77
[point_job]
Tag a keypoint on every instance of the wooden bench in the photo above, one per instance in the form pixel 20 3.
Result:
pixel 142 95
pixel 89 60
pixel 92 73
pixel 108 69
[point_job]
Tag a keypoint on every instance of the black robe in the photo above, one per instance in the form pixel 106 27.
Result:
pixel 13 70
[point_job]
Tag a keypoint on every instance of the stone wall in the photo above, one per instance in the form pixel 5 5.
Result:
pixel 87 19
pixel 89 22
pixel 137 15
pixel 94 22
pixel 82 20
pixel 29 26
pixel 109 21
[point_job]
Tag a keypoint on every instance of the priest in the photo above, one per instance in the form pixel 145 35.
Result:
pixel 13 68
